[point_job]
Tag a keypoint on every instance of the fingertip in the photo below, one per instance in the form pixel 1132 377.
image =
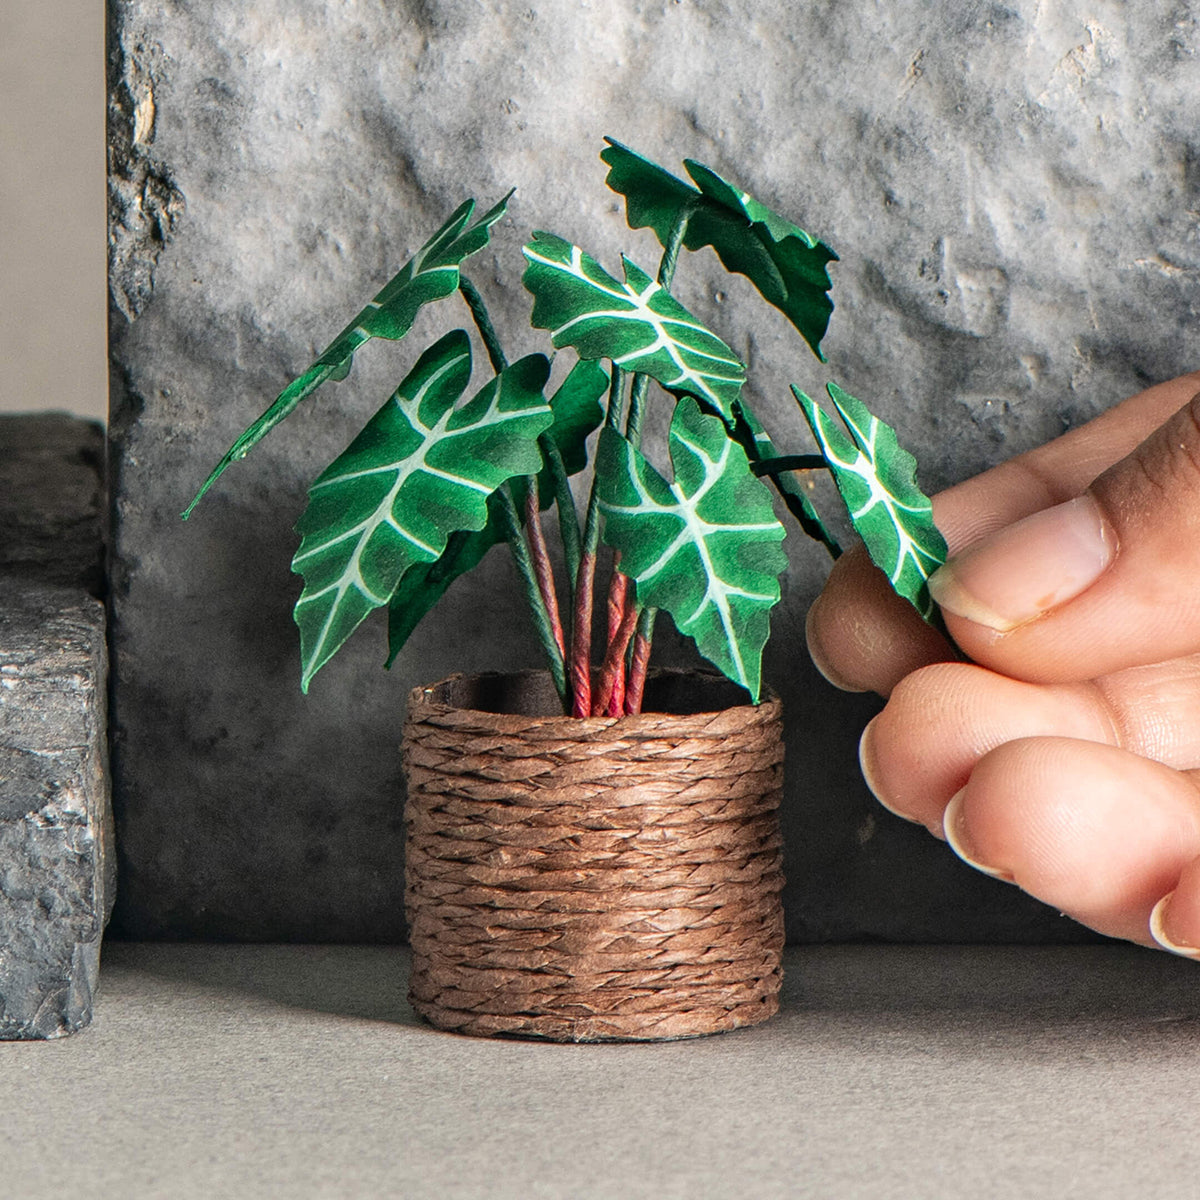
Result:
pixel 1175 919
pixel 862 636
pixel 958 838
pixel 821 658
pixel 868 763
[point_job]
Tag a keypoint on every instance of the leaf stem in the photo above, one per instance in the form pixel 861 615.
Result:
pixel 541 617
pixel 568 518
pixel 612 675
pixel 633 680
pixel 614 663
pixel 585 580
pixel 666 273
pixel 530 557
pixel 789 462
pixel 635 684
pixel 542 567
pixel 483 322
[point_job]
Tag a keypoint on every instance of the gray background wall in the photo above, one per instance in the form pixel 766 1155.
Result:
pixel 1012 190
pixel 52 339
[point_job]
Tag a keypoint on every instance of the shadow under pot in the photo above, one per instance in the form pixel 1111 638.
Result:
pixel 596 879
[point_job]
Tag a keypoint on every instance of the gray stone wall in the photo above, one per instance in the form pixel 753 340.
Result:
pixel 1011 189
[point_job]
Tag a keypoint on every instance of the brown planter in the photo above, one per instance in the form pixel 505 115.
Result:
pixel 611 878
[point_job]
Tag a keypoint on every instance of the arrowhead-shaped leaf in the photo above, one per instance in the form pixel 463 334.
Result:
pixel 431 274
pixel 876 477
pixel 704 547
pixel 637 324
pixel 420 471
pixel 787 265
pixel 577 412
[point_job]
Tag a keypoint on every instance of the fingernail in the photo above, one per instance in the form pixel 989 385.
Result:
pixel 817 654
pixel 1029 568
pixel 870 772
pixel 1159 933
pixel 952 827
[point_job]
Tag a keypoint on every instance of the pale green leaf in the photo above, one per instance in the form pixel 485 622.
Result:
pixel 876 477
pixel 637 324
pixel 705 547
pixel 431 274
pixel 421 470
pixel 786 264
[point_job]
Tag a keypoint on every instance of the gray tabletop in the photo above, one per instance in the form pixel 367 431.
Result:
pixel 300 1071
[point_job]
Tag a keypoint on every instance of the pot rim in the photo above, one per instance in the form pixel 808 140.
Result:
pixel 422 699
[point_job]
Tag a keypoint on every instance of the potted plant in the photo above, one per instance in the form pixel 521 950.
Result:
pixel 593 850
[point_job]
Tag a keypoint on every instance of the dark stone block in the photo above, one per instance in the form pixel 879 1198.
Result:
pixel 51 503
pixel 57 868
pixel 57 865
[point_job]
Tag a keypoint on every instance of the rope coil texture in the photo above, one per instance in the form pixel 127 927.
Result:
pixel 595 879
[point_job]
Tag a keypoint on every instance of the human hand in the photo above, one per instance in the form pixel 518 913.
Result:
pixel 1066 757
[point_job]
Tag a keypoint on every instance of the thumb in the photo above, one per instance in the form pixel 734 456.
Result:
pixel 1107 580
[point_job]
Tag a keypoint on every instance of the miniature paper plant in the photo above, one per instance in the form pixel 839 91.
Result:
pixel 435 480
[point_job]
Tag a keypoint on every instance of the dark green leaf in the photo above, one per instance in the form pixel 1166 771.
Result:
pixel 637 324
pixel 787 265
pixel 704 547
pixel 421 470
pixel 431 274
pixel 577 412
pixel 876 477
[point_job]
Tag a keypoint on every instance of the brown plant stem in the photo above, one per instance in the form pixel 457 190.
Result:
pixel 635 684
pixel 618 601
pixel 580 669
pixel 614 658
pixel 581 637
pixel 542 567
pixel 506 509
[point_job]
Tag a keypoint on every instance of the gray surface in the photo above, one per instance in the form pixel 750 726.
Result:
pixel 1064 1072
pixel 57 866
pixel 1012 193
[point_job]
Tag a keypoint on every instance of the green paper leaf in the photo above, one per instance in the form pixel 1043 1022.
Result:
pixel 704 547
pixel 786 264
pixel 421 470
pixel 759 448
pixel 424 584
pixel 637 324
pixel 431 274
pixel 876 477
pixel 577 412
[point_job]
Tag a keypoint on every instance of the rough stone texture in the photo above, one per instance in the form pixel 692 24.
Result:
pixel 1011 189
pixel 57 866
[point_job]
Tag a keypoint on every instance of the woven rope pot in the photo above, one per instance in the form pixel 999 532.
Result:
pixel 604 879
